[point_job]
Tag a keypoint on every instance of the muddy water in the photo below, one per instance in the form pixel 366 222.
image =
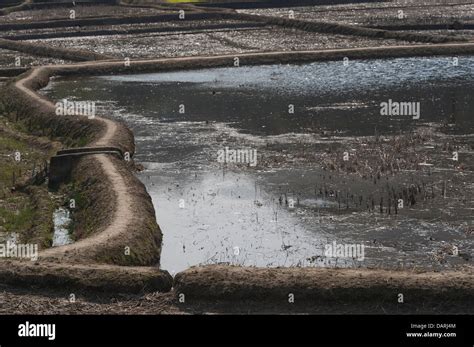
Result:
pixel 285 209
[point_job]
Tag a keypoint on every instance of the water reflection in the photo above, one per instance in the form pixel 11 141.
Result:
pixel 212 213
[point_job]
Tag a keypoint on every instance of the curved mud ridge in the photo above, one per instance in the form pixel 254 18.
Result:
pixel 119 209
pixel 131 220
pixel 125 215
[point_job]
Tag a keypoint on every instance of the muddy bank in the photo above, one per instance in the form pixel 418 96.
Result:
pixel 100 238
pixel 16 300
pixel 103 278
pixel 12 72
pixel 40 118
pixel 112 187
pixel 323 285
pixel 74 131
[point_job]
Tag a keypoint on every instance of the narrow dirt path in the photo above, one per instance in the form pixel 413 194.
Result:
pixel 123 212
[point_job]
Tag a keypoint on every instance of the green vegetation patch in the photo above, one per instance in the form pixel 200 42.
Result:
pixel 16 214
pixel 25 209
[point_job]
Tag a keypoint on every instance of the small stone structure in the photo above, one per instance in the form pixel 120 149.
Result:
pixel 62 163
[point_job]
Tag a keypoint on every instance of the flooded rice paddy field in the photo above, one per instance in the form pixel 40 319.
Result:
pixel 415 12
pixel 224 41
pixel 329 169
pixel 82 11
pixel 195 24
